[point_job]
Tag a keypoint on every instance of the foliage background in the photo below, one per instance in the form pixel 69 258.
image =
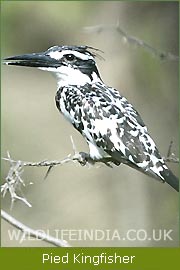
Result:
pixel 75 197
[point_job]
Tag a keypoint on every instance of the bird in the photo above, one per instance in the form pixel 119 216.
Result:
pixel 111 126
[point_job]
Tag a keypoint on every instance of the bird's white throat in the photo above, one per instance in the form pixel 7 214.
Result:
pixel 69 76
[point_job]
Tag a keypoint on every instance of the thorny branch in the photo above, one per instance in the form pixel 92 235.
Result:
pixel 14 182
pixel 132 40
pixel 37 234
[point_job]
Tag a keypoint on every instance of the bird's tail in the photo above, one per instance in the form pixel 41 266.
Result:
pixel 162 172
pixel 159 170
pixel 170 178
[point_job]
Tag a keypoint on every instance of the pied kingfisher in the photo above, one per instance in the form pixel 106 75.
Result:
pixel 111 126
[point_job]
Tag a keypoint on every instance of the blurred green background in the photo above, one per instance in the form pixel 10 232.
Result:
pixel 94 198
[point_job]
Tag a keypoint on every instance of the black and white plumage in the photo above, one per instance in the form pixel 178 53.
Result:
pixel 111 126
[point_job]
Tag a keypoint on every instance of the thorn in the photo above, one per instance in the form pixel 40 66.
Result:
pixel 48 171
pixel 73 145
pixel 8 154
pixel 169 149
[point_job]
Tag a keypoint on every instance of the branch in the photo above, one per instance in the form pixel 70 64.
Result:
pixel 14 182
pixel 132 41
pixel 33 233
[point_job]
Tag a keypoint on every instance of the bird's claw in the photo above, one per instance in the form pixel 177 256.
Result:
pixel 85 158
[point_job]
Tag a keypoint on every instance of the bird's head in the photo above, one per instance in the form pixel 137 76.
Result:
pixel 72 65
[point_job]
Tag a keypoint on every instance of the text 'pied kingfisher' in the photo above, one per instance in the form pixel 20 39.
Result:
pixel 111 126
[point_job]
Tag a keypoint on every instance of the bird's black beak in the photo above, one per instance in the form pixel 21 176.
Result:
pixel 39 60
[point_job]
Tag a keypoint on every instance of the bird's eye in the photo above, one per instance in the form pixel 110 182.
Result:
pixel 69 57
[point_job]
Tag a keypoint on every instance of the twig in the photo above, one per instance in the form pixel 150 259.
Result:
pixel 132 40
pixel 14 181
pixel 33 233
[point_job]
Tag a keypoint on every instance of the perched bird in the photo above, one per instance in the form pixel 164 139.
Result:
pixel 111 126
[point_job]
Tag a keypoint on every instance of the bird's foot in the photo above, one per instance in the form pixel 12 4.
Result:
pixel 85 158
